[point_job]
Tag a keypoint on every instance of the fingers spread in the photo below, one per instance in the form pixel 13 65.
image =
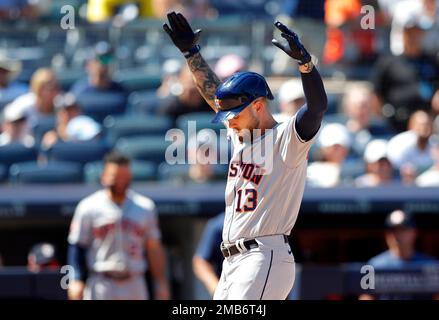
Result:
pixel 169 16
pixel 278 44
pixel 287 37
pixel 183 22
pixel 167 29
pixel 179 22
pixel 172 17
pixel 283 28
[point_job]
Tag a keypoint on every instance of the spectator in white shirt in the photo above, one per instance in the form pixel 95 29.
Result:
pixel 430 178
pixel 14 127
pixel 70 124
pixel 38 103
pixel 291 98
pixel 378 167
pixel 413 147
pixel 334 141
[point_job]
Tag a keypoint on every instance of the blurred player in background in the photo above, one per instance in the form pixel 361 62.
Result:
pixel 400 236
pixel 111 232
pixel 207 261
pixel 42 256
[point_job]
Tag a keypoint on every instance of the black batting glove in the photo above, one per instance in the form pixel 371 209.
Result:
pixel 181 34
pixel 294 48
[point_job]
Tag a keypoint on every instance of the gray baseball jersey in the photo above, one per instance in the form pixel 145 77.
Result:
pixel 263 198
pixel 114 235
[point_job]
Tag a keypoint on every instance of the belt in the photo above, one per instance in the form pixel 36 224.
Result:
pixel 119 276
pixel 248 244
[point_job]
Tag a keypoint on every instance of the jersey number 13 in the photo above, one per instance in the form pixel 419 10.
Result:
pixel 247 199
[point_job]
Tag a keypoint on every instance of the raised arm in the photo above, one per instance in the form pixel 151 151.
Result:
pixel 310 116
pixel 205 79
pixel 185 39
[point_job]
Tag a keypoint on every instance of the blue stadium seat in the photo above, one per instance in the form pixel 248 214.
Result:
pixel 141 171
pixel 4 101
pixel 144 148
pixel 244 8
pixel 53 13
pixel 100 105
pixel 125 126
pixel 333 103
pixel 167 172
pixel 68 77
pixel 44 125
pixel 80 152
pixel 16 152
pixel 179 172
pixel 52 172
pixel 352 168
pixel 135 79
pixel 335 118
pixel 141 102
pixel 3 173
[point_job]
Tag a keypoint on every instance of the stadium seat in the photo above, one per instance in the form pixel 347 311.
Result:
pixel 141 102
pixel 335 118
pixel 143 148
pixel 68 77
pixel 381 128
pixel 4 101
pixel 352 168
pixel 135 79
pixel 333 103
pixel 53 172
pixel 141 171
pixel 166 172
pixel 125 126
pixel 44 125
pixel 179 172
pixel 3 173
pixel 79 152
pixel 53 13
pixel 16 152
pixel 203 120
pixel 100 105
pixel 246 8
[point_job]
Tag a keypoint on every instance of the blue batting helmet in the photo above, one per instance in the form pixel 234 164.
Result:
pixel 238 92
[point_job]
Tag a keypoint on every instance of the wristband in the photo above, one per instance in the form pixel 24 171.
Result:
pixel 195 49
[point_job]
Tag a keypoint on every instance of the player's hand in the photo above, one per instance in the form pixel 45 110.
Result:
pixel 75 290
pixel 294 48
pixel 162 291
pixel 181 33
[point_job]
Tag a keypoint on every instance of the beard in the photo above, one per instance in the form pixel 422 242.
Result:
pixel 248 133
pixel 119 189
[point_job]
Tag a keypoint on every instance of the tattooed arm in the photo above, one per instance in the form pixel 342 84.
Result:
pixel 205 79
pixel 185 39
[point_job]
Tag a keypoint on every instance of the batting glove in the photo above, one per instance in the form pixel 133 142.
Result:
pixel 294 48
pixel 182 35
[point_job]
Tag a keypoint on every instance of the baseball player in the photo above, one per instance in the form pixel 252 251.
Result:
pixel 261 205
pixel 111 232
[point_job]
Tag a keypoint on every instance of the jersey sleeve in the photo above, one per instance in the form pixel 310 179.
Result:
pixel 292 148
pixel 152 231
pixel 81 227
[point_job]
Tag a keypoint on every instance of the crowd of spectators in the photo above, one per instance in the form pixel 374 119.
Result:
pixel 378 131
